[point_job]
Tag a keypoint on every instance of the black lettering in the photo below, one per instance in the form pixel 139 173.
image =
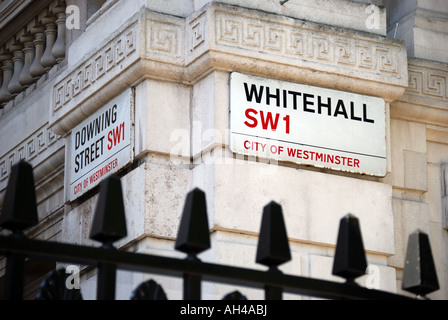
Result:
pixel 365 115
pixel 83 136
pixel 87 157
pixel 81 159
pixel 307 103
pixel 98 126
pixel 295 95
pixel 77 140
pixel 352 109
pixel 270 96
pixel 102 145
pixel 253 92
pixel 114 114
pixel 90 131
pixel 77 164
pixel 321 105
pixel 285 99
pixel 107 119
pixel 340 109
pixel 92 153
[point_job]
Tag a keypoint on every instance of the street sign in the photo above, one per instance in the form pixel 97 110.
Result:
pixel 307 125
pixel 101 145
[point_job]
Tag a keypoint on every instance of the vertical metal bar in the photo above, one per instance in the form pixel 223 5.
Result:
pixel 108 226
pixel 193 238
pixel 192 287
pixel 106 284
pixel 15 276
pixel 273 293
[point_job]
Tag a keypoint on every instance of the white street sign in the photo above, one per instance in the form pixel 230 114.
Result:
pixel 101 145
pixel 307 125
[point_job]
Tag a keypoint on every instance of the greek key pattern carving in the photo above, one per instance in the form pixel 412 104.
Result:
pixel 197 36
pixel 198 31
pixel 96 67
pixel 28 150
pixel 428 82
pixel 307 44
pixel 164 38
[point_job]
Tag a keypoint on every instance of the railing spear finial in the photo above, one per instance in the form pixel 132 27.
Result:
pixel 19 213
pixel 419 275
pixel 194 232
pixel 350 259
pixel 109 223
pixel 273 246
pixel 19 207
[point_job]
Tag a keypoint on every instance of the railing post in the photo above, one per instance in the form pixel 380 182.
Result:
pixel 19 213
pixel 109 226
pixel 273 246
pixel 350 259
pixel 192 287
pixel 193 238
pixel 420 275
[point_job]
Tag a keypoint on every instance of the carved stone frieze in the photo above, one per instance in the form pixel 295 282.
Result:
pixel 228 38
pixel 426 97
pixel 428 81
pixel 30 149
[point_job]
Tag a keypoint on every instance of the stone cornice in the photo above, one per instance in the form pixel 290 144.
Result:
pixel 228 38
pixel 426 98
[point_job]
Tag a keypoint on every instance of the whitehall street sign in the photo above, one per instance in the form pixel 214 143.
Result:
pixel 101 145
pixel 324 128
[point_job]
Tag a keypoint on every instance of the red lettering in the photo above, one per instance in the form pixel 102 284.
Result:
pixel 116 136
pixel 269 121
pixel 254 123
pixel 350 162
pixel 292 152
pixel 288 123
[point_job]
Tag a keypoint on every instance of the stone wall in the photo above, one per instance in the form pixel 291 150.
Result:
pixel 179 60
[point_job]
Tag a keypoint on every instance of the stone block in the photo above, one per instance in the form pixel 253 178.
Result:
pixel 210 113
pixel 378 277
pixel 162 118
pixel 165 192
pixel 313 203
pixel 408 217
pixel 415 170
pixel 406 137
pixel 239 250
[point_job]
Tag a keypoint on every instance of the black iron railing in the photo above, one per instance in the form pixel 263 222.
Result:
pixel 109 226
